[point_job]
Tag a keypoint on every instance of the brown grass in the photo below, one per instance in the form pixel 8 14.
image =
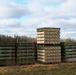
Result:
pixel 35 66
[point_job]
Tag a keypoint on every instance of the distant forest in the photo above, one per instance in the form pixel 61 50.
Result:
pixel 10 39
pixel 68 40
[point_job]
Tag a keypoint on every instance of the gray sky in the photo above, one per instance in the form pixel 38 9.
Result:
pixel 22 17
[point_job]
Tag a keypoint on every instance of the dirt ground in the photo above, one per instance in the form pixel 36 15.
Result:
pixel 35 66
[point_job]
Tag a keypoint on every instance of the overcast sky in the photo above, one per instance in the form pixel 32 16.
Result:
pixel 22 17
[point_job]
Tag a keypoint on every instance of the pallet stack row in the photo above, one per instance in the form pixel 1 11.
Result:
pixel 7 54
pixel 68 52
pixel 48 41
pixel 17 53
pixel 26 53
pixel 47 49
pixel 48 36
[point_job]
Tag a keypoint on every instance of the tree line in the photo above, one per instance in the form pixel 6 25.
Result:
pixel 16 38
pixel 68 40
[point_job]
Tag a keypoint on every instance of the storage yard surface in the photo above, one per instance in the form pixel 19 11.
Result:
pixel 40 69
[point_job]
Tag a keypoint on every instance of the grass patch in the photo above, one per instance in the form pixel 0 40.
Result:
pixel 66 70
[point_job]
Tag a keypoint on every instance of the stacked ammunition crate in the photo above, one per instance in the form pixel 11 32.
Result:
pixel 7 54
pixel 25 54
pixel 48 41
pixel 68 51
